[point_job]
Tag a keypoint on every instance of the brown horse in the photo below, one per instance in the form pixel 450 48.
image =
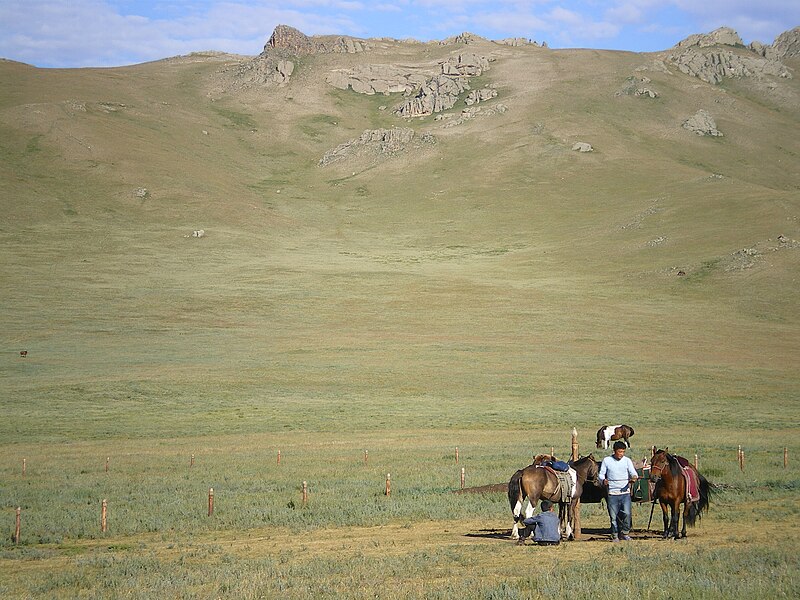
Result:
pixel 609 433
pixel 534 483
pixel 667 474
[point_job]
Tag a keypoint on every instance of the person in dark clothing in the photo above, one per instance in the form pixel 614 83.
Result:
pixel 545 526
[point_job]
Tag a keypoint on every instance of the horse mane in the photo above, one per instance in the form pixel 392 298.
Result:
pixel 581 460
pixel 674 465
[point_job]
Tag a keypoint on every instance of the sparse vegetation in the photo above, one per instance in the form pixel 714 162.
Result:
pixel 488 292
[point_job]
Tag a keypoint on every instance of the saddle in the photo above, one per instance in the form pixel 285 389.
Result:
pixel 565 481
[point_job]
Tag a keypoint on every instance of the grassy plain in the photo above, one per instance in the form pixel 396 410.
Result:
pixel 487 292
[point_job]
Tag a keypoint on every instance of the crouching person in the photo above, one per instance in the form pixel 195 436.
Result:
pixel 545 526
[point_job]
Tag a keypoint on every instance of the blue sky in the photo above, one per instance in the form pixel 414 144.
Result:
pixel 84 33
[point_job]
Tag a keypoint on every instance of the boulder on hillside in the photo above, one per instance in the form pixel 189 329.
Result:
pixel 582 147
pixel 702 123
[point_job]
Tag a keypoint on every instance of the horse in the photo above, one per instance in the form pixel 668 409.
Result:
pixel 667 474
pixel 534 483
pixel 608 433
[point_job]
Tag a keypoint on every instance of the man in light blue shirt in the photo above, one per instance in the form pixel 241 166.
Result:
pixel 617 473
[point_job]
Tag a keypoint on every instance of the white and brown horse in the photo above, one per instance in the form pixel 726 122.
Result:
pixel 534 483
pixel 609 433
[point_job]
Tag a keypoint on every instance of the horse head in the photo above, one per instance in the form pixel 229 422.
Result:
pixel 661 460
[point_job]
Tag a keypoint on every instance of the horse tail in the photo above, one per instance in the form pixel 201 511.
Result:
pixel 696 509
pixel 515 494
pixel 705 494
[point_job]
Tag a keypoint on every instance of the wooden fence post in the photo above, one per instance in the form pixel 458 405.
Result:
pixel 695 462
pixel 191 461
pixel 104 516
pixel 388 491
pixel 16 526
pixel 305 493
pixel 740 458
pixel 366 457
pixel 574 444
pixel 108 458
pixel 463 476
pixel 785 457
pixel 24 466
pixel 210 501
pixel 456 454
pixel 279 457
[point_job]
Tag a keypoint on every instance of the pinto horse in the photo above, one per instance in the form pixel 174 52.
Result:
pixel 534 483
pixel 667 474
pixel 609 433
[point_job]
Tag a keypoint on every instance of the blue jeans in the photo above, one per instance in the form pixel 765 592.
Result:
pixel 619 511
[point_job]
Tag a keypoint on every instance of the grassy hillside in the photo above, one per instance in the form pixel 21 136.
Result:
pixel 494 288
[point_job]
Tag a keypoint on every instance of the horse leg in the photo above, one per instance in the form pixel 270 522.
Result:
pixel 686 506
pixel 570 529
pixel 516 512
pixel 665 517
pixel 676 516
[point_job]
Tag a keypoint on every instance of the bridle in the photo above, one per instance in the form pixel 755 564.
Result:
pixel 656 470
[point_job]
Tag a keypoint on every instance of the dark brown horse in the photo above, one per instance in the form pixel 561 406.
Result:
pixel 667 474
pixel 609 433
pixel 534 483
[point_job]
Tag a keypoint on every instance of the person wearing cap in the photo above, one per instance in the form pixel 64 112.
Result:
pixel 545 526
pixel 616 474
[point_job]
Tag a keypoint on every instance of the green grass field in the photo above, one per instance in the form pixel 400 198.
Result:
pixel 489 292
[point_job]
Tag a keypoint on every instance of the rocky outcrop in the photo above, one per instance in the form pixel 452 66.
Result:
pixel 787 44
pixel 442 91
pixel 437 94
pixel 724 36
pixel 516 41
pixel 469 113
pixel 462 38
pixel 478 96
pixel 289 40
pixel 377 79
pixel 636 86
pixel 376 144
pixel 259 71
pixel 702 123
pixel 708 57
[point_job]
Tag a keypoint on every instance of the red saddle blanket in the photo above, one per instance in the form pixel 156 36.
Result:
pixel 692 484
pixel 692 481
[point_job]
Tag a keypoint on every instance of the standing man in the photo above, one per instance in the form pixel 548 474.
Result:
pixel 617 473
